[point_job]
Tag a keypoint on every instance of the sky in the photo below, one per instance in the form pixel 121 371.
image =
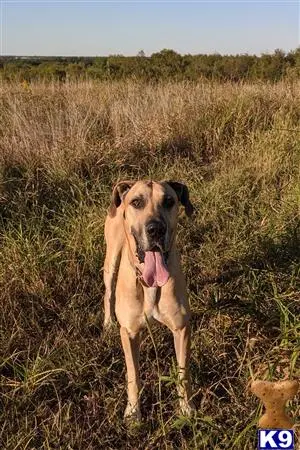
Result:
pixel 97 27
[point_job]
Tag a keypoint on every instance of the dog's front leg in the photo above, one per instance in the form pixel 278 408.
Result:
pixel 182 341
pixel 131 347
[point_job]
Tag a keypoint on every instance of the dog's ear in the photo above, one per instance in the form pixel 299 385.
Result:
pixel 118 194
pixel 183 196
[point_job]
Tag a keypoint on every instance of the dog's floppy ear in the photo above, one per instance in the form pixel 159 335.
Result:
pixel 183 196
pixel 118 194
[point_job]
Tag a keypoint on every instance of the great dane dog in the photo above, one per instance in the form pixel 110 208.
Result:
pixel 143 276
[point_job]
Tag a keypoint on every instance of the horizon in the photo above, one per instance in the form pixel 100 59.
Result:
pixel 97 28
pixel 149 56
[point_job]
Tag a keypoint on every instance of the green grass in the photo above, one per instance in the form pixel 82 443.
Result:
pixel 62 149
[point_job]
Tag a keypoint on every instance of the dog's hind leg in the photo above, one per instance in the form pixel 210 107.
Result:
pixel 114 237
pixel 110 274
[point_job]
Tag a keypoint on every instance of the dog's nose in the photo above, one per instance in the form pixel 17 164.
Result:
pixel 155 228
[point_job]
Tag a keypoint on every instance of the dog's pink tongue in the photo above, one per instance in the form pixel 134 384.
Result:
pixel 155 272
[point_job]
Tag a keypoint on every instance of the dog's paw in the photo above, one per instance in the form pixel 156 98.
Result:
pixel 187 408
pixel 132 413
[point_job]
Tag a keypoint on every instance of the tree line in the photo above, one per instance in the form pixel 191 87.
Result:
pixel 164 65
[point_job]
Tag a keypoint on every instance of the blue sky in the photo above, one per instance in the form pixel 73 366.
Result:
pixel 125 27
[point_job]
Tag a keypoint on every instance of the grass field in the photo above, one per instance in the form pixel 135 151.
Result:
pixel 63 146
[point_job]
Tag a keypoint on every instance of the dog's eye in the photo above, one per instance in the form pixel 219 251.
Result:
pixel 137 203
pixel 168 202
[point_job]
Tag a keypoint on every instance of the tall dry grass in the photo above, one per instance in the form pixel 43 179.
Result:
pixel 63 146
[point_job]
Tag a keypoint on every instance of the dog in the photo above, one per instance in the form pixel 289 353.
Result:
pixel 143 277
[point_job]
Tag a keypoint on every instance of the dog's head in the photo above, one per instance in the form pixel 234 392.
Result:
pixel 150 212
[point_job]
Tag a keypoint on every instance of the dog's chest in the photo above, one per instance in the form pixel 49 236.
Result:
pixel 150 302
